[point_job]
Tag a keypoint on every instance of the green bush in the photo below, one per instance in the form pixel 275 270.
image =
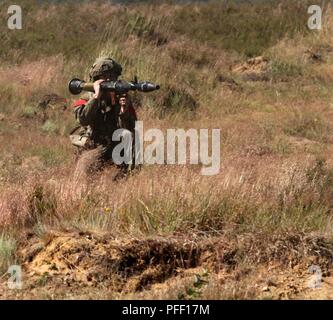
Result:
pixel 52 155
pixel 29 112
pixel 281 69
pixel 50 127
pixel 177 100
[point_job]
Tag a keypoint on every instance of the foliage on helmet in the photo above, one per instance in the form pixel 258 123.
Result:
pixel 103 66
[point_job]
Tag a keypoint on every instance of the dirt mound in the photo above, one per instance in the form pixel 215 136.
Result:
pixel 82 264
pixel 255 69
pixel 87 259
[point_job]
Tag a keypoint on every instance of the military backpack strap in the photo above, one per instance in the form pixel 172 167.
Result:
pixel 81 139
pixel 75 129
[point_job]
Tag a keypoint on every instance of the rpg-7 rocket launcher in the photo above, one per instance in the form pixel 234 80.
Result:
pixel 76 86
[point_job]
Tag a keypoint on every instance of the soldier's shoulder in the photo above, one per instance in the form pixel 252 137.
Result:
pixel 83 100
pixel 78 104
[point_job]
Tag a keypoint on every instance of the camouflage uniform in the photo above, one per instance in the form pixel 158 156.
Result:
pixel 100 118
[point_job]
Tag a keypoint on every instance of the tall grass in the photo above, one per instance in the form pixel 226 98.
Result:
pixel 296 197
pixel 268 127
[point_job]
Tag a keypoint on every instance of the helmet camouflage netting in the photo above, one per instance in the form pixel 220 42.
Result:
pixel 104 65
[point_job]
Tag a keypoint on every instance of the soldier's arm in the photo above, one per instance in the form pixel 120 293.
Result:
pixel 85 114
pixel 128 117
pixel 128 120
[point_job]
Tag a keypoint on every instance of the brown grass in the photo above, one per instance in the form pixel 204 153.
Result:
pixel 276 168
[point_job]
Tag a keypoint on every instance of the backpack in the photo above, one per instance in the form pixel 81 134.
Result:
pixel 81 137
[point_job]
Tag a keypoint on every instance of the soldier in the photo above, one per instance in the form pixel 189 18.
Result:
pixel 99 117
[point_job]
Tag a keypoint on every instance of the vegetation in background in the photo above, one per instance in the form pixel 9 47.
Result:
pixel 274 112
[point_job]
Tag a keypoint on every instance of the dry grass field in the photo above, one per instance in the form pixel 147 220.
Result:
pixel 167 232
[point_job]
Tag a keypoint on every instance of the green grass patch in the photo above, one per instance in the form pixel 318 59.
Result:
pixel 306 124
pixel 50 127
pixel 247 28
pixel 281 69
pixel 52 155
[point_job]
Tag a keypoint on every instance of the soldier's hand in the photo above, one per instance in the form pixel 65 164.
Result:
pixel 97 88
pixel 123 105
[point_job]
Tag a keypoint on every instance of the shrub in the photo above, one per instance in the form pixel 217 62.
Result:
pixel 29 112
pixel 50 127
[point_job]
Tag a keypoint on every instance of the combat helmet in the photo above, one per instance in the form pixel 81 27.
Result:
pixel 104 65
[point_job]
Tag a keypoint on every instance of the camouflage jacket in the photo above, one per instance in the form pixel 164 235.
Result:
pixel 102 118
